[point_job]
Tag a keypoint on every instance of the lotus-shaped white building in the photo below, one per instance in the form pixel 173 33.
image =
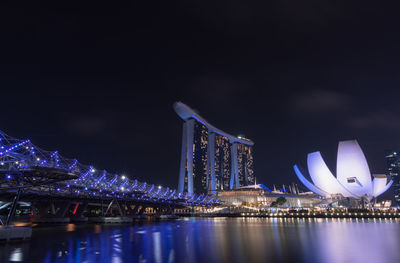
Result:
pixel 353 178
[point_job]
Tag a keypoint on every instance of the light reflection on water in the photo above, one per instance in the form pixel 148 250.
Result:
pixel 215 240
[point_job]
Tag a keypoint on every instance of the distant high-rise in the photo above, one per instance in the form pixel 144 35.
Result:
pixel 245 164
pixel 200 137
pixel 211 159
pixel 393 163
pixel 222 162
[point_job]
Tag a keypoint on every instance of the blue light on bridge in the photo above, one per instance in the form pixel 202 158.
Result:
pixel 21 155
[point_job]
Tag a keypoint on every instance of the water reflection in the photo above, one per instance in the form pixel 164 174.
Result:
pixel 215 240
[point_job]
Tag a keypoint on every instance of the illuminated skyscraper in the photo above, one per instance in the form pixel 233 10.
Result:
pixel 222 162
pixel 211 159
pixel 200 138
pixel 393 163
pixel 245 164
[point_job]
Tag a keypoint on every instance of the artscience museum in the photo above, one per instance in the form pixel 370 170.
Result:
pixel 353 177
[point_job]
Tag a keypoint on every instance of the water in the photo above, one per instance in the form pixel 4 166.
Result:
pixel 215 240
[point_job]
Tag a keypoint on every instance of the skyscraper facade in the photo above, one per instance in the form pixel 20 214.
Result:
pixel 222 162
pixel 393 164
pixel 200 138
pixel 211 159
pixel 245 164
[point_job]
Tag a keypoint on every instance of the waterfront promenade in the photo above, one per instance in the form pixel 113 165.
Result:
pixel 302 214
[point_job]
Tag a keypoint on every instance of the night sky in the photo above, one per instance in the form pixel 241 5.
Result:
pixel 97 81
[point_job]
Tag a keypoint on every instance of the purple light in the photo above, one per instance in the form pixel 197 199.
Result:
pixel 103 183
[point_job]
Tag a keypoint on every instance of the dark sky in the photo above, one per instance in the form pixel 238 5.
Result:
pixel 97 81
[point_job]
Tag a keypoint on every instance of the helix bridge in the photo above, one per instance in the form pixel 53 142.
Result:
pixel 36 173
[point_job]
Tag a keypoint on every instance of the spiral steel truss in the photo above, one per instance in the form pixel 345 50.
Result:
pixel 25 166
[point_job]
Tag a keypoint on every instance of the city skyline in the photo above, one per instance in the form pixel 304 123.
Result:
pixel 176 131
pixel 93 83
pixel 93 129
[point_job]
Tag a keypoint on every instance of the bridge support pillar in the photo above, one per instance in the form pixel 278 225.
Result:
pixel 81 209
pixel 13 207
pixel 120 210
pixel 109 207
pixel 52 208
pixel 57 211
pixel 63 209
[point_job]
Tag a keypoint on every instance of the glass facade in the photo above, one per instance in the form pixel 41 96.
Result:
pixel 222 162
pixel 200 141
pixel 393 164
pixel 245 164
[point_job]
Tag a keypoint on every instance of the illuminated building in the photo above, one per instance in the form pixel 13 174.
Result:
pixel 245 164
pixel 200 137
pixel 222 162
pixel 261 195
pixel 353 178
pixel 393 163
pixel 211 159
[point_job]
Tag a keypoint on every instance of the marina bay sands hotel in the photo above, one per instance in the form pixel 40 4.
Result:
pixel 211 159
